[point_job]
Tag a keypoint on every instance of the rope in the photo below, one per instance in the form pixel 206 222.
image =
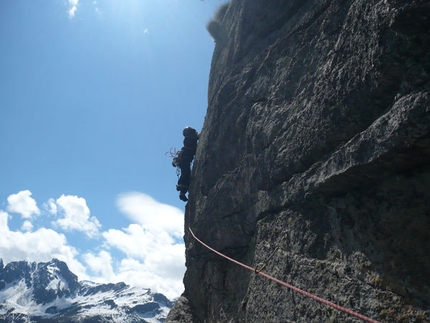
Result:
pixel 259 272
pixel 172 152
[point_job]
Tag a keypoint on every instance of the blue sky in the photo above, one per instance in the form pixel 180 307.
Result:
pixel 92 95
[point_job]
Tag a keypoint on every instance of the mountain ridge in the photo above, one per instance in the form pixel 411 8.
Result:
pixel 50 292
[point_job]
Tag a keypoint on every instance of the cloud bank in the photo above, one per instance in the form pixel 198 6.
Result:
pixel 151 250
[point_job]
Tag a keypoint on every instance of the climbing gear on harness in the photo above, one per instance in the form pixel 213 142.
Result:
pixel 176 155
pixel 175 162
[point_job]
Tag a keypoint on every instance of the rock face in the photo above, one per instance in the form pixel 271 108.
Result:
pixel 314 159
pixel 49 292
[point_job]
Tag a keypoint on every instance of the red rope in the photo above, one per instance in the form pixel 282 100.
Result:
pixel 319 299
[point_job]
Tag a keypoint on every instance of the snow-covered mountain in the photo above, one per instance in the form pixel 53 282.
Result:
pixel 49 292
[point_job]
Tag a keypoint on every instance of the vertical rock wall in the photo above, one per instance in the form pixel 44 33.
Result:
pixel 315 151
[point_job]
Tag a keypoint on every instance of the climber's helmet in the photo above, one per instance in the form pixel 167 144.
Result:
pixel 188 131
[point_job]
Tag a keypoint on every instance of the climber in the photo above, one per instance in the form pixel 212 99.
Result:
pixel 183 160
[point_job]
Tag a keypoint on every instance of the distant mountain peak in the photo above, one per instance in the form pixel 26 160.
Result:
pixel 50 292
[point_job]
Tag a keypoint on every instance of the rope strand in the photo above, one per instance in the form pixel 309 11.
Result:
pixel 319 299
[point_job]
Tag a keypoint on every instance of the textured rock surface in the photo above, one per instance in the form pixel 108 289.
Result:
pixel 315 150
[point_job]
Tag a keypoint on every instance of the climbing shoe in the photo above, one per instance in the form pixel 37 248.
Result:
pixel 183 197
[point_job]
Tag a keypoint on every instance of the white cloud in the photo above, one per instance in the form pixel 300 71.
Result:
pixel 23 204
pixel 136 273
pixel 157 249
pixel 41 245
pixel 97 8
pixel 155 259
pixel 50 206
pixel 151 214
pixel 76 215
pixel 73 6
pixel 27 226
pixel 101 264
